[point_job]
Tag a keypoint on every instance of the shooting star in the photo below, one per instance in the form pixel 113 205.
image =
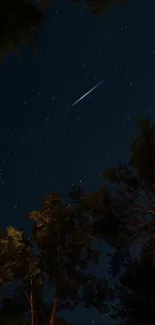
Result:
pixel 88 92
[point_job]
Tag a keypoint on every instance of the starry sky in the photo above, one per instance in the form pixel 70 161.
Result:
pixel 45 144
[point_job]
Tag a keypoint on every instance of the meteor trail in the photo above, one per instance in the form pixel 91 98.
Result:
pixel 87 93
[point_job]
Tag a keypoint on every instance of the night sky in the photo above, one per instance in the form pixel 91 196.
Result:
pixel 45 144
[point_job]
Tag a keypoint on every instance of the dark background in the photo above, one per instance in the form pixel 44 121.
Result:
pixel 44 148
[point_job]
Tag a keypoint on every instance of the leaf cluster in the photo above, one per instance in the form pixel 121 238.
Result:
pixel 20 21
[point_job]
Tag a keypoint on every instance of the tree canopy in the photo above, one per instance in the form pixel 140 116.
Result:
pixel 60 252
pixel 123 214
pixel 20 20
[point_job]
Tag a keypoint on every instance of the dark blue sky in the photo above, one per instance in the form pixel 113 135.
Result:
pixel 44 148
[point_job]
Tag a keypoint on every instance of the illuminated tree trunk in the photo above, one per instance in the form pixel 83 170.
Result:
pixel 54 310
pixel 32 304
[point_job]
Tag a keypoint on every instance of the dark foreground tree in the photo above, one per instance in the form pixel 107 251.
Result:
pixel 122 214
pixel 64 238
pixel 58 254
pixel 20 21
pixel 137 293
pixel 14 309
pixel 19 264
pixel 124 211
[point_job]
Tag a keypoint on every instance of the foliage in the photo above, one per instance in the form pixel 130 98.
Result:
pixel 137 294
pixel 63 253
pixel 14 308
pixel 63 234
pixel 16 257
pixel 18 262
pixel 65 246
pixel 20 21
pixel 136 180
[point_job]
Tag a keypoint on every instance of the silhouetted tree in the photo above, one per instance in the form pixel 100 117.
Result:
pixel 63 234
pixel 136 293
pixel 64 243
pixel 124 210
pixel 14 308
pixel 18 262
pixel 59 253
pixel 20 21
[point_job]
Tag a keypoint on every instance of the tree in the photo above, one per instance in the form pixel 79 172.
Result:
pixel 137 181
pixel 20 21
pixel 62 235
pixel 59 253
pixel 18 262
pixel 124 212
pixel 64 242
pixel 14 309
pixel 136 293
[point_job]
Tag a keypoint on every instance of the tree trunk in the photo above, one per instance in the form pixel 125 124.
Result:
pixel 54 310
pixel 32 304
